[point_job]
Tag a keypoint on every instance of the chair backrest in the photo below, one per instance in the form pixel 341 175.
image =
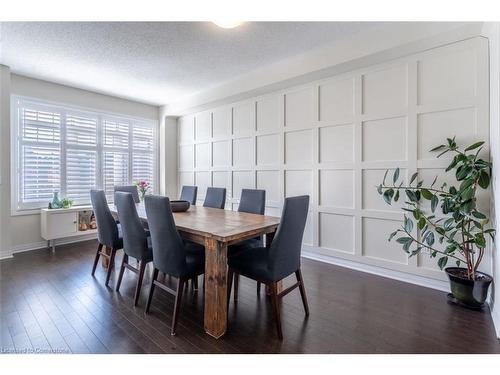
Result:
pixel 284 254
pixel 169 255
pixel 129 189
pixel 135 243
pixel 107 231
pixel 252 201
pixel 189 193
pixel 216 197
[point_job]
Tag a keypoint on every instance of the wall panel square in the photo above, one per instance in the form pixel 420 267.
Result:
pixel 222 179
pixel 444 78
pixel 372 200
pixel 385 91
pixel 202 180
pixel 299 108
pixel 242 180
pixel 221 154
pixel 186 157
pixel 222 122
pixel 298 147
pixel 336 232
pixel 384 139
pixel 244 118
pixel 337 188
pixel 435 127
pixel 375 244
pixel 336 100
pixel 298 183
pixel 268 149
pixel 186 178
pixel 308 237
pixel 203 155
pixel 203 126
pixel 268 118
pixel 336 143
pixel 186 129
pixel 270 182
pixel 243 152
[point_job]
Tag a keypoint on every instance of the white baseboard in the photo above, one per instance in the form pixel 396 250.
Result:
pixel 43 244
pixel 384 272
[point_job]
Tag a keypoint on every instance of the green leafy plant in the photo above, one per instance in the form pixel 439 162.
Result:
pixel 453 228
pixel 66 203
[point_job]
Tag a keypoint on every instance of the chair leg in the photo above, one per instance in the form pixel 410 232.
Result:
pixel 275 303
pixel 122 270
pixel 152 288
pixel 236 286
pixel 258 288
pixel 178 299
pixel 142 267
pixel 110 265
pixel 302 289
pixel 96 260
pixel 230 275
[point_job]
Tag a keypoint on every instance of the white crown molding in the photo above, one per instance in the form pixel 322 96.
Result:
pixel 393 41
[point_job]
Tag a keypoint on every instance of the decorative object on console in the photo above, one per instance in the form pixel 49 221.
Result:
pixel 458 230
pixel 84 220
pixel 56 203
pixel 143 187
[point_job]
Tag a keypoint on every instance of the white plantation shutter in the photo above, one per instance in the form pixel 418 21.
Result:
pixel 143 154
pixel 40 173
pixel 39 145
pixel 115 171
pixel 81 130
pixel 81 174
pixel 73 151
pixel 116 133
pixel 81 155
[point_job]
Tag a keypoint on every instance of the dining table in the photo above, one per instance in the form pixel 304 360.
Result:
pixel 216 229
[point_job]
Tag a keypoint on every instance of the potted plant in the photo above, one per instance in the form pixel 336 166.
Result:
pixel 143 187
pixel 453 228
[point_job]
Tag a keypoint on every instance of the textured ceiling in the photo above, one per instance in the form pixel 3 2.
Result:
pixel 157 62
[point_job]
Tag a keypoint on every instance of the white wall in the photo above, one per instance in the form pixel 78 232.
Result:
pixel 492 32
pixel 24 230
pixel 5 242
pixel 334 138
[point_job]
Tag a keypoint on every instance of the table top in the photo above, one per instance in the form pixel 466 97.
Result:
pixel 222 225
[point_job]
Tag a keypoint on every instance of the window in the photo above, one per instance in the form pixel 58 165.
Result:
pixel 72 151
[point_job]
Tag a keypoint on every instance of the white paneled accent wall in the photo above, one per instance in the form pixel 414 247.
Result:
pixel 334 139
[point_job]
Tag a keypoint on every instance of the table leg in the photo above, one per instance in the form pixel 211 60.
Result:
pixel 215 287
pixel 269 241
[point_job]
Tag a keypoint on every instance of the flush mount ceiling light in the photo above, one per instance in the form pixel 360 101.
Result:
pixel 228 24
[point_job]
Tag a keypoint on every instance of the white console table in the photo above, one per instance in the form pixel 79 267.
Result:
pixel 62 223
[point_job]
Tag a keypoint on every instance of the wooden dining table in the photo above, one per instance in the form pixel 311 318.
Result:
pixel 216 229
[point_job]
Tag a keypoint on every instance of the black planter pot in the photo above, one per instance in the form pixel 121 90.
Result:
pixel 470 293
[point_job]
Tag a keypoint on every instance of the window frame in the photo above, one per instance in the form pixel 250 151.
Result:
pixel 19 101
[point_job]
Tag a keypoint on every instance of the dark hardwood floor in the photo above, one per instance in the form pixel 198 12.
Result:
pixel 50 303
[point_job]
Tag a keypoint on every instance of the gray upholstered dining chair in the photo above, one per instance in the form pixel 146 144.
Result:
pixel 215 198
pixel 129 189
pixel 135 240
pixel 189 193
pixel 171 255
pixel 282 259
pixel 252 201
pixel 108 231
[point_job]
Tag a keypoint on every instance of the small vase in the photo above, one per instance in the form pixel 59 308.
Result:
pixel 56 203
